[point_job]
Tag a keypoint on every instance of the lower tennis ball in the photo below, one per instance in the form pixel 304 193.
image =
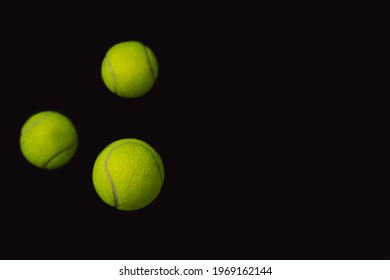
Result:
pixel 129 69
pixel 48 140
pixel 128 174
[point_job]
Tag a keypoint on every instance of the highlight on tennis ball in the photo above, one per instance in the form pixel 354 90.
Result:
pixel 128 174
pixel 129 69
pixel 48 140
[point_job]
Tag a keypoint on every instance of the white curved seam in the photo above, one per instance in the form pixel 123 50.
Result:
pixel 112 76
pixel 58 154
pixel 116 201
pixel 150 64
pixel 35 123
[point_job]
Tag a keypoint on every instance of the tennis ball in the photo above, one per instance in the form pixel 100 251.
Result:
pixel 128 174
pixel 48 140
pixel 129 69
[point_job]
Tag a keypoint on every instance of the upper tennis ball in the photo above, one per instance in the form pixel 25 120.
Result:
pixel 129 69
pixel 48 140
pixel 128 174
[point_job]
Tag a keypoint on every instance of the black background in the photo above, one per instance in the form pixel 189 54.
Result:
pixel 271 120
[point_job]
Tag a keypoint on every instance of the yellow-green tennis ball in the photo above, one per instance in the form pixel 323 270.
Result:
pixel 129 69
pixel 48 140
pixel 128 174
